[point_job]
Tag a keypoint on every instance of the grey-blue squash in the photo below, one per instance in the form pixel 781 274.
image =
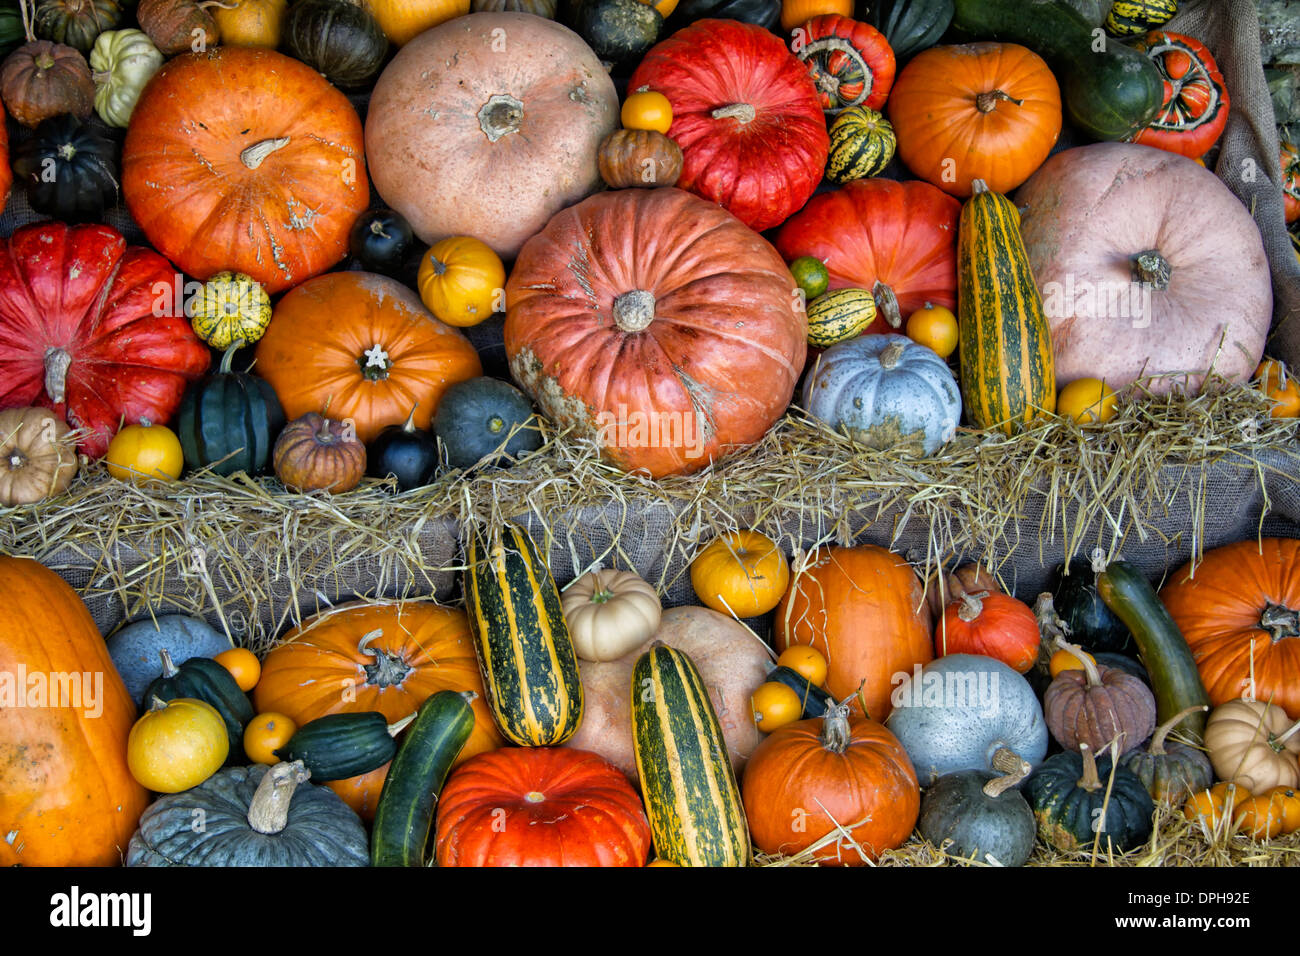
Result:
pixel 960 711
pixel 135 648
pixel 982 816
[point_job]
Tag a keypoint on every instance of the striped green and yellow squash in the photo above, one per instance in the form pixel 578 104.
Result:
pixel 1130 18
pixel 690 791
pixel 839 316
pixel 1007 371
pixel 862 144
pixel 530 670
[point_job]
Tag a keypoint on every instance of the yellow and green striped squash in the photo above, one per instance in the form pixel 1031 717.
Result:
pixel 1007 370
pixel 839 315
pixel 1129 18
pixel 691 796
pixel 862 144
pixel 530 669
pixel 232 306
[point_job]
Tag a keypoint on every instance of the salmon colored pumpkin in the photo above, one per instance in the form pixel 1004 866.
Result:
pixel 388 657
pixel 365 344
pixel 1243 601
pixel 245 160
pixel 67 797
pixel 863 609
pixel 657 325
pixel 6 174
pixel 989 111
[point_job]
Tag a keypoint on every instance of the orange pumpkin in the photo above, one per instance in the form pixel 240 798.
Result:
pixel 366 345
pixel 989 111
pixel 402 20
pixel 796 12
pixel 1244 601
pixel 742 573
pixel 864 610
pixel 67 797
pixel 1277 382
pixel 389 656
pixel 243 159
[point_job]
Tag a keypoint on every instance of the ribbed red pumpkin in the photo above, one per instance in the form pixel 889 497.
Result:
pixel 903 235
pixel 657 325
pixel 851 63
pixel 746 115
pixel 992 624
pixel 1196 103
pixel 81 333
pixel 540 806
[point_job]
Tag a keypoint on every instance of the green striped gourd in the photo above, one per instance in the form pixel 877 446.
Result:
pixel 530 669
pixel 1130 18
pixel 1007 370
pixel 690 791
pixel 839 316
pixel 862 144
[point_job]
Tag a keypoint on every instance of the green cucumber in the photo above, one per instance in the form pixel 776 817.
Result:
pixel 338 746
pixel 404 816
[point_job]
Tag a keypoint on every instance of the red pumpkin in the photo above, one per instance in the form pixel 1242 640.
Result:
pixel 903 235
pixel 657 325
pixel 540 806
pixel 6 174
pixel 84 330
pixel 992 624
pixel 1195 107
pixel 245 160
pixel 851 63
pixel 746 115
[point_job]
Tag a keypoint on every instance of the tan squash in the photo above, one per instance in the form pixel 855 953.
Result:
pixel 1253 745
pixel 610 613
pixel 36 459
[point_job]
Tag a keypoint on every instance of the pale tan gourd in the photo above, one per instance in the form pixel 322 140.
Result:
pixel 36 458
pixel 610 613
pixel 1254 745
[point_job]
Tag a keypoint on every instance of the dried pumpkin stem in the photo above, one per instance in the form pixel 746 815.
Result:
pixel 1052 629
pixel 1011 778
pixel 169 669
pixel 268 811
pixel 1006 760
pixel 1087 663
pixel 1157 746
pixel 57 363
pixel 253 156
pixel 972 606
pixel 988 102
pixel 500 116
pixel 835 727
pixel 1153 269
pixel 635 310
pixel 388 669
pixel 1090 780
pixel 1281 622
pixel 887 305
pixel 741 112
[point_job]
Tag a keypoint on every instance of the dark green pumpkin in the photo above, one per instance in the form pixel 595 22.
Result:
pixel 382 241
pixel 11 30
pixel 76 23
pixel 474 417
pixel 338 746
pixel 538 8
pixel 1122 662
pixel 764 13
pixel 69 168
pixel 230 421
pixel 618 31
pixel 204 679
pixel 339 38
pixel 981 816
pixel 1068 794
pixel 1171 771
pixel 910 26
pixel 404 452
pixel 1093 626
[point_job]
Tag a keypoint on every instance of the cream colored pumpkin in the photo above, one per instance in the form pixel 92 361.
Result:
pixel 36 458
pixel 1253 744
pixel 495 145
pixel 122 62
pixel 610 613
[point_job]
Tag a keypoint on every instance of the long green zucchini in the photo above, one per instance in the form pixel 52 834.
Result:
pixel 1174 678
pixel 690 791
pixel 338 746
pixel 400 832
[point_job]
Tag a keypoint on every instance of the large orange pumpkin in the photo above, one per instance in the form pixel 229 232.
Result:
pixel 245 160
pixel 656 324
pixel 863 608
pixel 1244 600
pixel 67 797
pixel 989 111
pixel 365 344
pixel 337 663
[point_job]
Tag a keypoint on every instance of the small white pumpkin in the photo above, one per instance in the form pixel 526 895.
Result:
pixel 886 392
pixel 122 61
pixel 1254 745
pixel 610 613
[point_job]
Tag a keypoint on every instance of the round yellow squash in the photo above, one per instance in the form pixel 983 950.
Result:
pixel 177 745
pixel 462 281
pixel 742 573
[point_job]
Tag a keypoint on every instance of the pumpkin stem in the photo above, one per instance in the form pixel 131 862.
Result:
pixel 1280 621
pixel 835 727
pixel 887 304
pixel 635 310
pixel 1157 746
pixel 1089 666
pixel 501 115
pixel 398 726
pixel 16 460
pixel 988 102
pixel 978 187
pixel 268 811
pixel 1005 760
pixel 972 606
pixel 409 427
pixel 388 669
pixel 156 703
pixel 742 112
pixel 169 669
pixel 1098 558
pixel 890 355
pixel 1277 742
pixel 375 363
pixel 1153 269
pixel 1019 769
pixel 1053 630
pixel 57 362
pixel 1090 781
pixel 229 356
pixel 253 156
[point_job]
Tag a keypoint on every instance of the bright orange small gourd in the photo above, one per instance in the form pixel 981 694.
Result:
pixel 647 109
pixel 796 12
pixel 742 573
pixel 774 706
pixel 1276 381
pixel 266 733
pixel 403 20
pixel 806 661
pixel 935 327
pixel 243 665
pixel 992 624
pixel 462 281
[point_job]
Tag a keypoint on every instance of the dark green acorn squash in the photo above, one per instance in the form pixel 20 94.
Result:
pixel 475 417
pixel 983 815
pixel 75 23
pixel 204 679
pixel 339 38
pixel 1068 794
pixel 382 241
pixel 69 168
pixel 1093 626
pixel 619 31
pixel 338 746
pixel 1171 771
pixel 404 452
pixel 764 13
pixel 229 421
pixel 910 26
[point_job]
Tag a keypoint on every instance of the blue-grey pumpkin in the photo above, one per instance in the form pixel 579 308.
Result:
pixel 135 648
pixel 887 392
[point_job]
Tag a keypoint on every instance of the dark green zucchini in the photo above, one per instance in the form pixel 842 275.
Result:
pixel 1093 626
pixel 204 679
pixel 815 700
pixel 338 746
pixel 406 805
pixel 1170 666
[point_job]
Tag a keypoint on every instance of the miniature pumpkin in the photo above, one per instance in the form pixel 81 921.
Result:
pixel 250 22
pixel 851 63
pixel 1254 745
pixel 382 353
pixel 178 26
pixel 990 623
pixel 403 20
pixel 1196 101
pixel 405 453
pixel 1080 800
pixel 795 12
pixel 1280 386
pixel 245 160
pixel 177 745
pixel 482 417
pixel 339 38
pixel 540 806
pixel 610 613
pixel 145 452
pixel 314 453
pixel 229 421
pixel 36 459
pixel 811 777
pixel 252 816
pixel 231 308
pixel 743 573
pixel 1171 772
pixel 981 816
pixel 76 23
pixel 41 80
pixel 639 158
pixel 1098 705
pixel 825 605
pixel 68 169
pixel 122 61
pixel 944 587
pixel 462 281
pixel 265 734
pixel 862 144
pixel 647 110
pixel 381 241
